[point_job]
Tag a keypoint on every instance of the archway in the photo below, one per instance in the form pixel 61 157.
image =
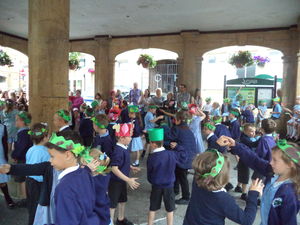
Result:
pixel 127 71
pixel 215 66
pixel 82 76
pixel 15 76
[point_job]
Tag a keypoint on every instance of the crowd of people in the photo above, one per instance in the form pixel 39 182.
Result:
pixel 79 174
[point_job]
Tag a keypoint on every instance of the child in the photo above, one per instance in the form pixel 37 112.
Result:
pixel 124 113
pixel 221 129
pixel 136 144
pixel 247 138
pixel 225 109
pixel 277 109
pixel 120 163
pixel 262 111
pixel 21 146
pixel 292 124
pixel 61 120
pixel 208 130
pixel 180 134
pixel 207 107
pixel 247 114
pixel 196 117
pixel 3 160
pixel 280 199
pixel 75 119
pixel 210 203
pixel 266 143
pixel 161 166
pixel 215 111
pixel 36 154
pixel 113 116
pixel 86 129
pixel 235 103
pixel 234 125
pixel 102 140
pixel 75 193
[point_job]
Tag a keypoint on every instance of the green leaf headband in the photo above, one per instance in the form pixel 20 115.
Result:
pixel 95 121
pixel 86 156
pixel 226 100
pixel 68 145
pixel 210 126
pixel 234 113
pixel 276 99
pixel 62 114
pixel 38 133
pixel 218 121
pixel 218 167
pixel 292 152
pixel 152 107
pixel 23 115
pixel 88 113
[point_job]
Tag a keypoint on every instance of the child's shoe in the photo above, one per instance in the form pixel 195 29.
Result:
pixel 123 222
pixel 238 189
pixel 244 196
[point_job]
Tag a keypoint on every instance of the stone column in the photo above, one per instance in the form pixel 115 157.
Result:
pixel 48 48
pixel 104 68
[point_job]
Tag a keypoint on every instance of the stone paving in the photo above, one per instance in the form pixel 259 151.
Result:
pixel 137 206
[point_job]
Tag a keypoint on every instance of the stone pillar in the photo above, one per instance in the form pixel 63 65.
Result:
pixel 104 68
pixel 290 79
pixel 198 77
pixel 48 48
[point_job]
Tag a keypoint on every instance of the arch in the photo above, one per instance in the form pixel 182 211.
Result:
pixel 19 44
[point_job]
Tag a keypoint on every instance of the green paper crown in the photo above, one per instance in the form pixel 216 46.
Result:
pixel 68 145
pixel 38 133
pixel 95 121
pixel 152 106
pixel 133 109
pixel 219 164
pixel 86 156
pixel 292 152
pixel 24 116
pixel 156 134
pixel 218 121
pixel 63 115
pixel 88 113
pixel 210 126
pixel 94 104
pixel 276 99
pixel 234 113
pixel 226 100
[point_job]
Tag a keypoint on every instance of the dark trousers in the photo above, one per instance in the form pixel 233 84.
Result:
pixel 181 179
pixel 33 190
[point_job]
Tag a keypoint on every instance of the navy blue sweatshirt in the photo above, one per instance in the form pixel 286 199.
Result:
pixel 105 143
pixel 137 130
pixel 120 158
pixel 212 143
pixel 222 130
pixel 248 116
pixel 211 208
pixel 86 130
pixel 22 145
pixel 235 129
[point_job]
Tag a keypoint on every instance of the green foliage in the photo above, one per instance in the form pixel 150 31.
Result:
pixel 74 60
pixel 5 59
pixel 147 61
pixel 241 59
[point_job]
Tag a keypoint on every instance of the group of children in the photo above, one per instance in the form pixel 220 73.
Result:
pixel 70 181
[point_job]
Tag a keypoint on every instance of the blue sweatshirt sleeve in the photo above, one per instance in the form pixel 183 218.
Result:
pixel 235 131
pixel 180 155
pixel 262 149
pixel 252 160
pixel 22 145
pixel 248 142
pixel 212 143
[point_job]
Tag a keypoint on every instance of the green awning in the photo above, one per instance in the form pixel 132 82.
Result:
pixel 268 77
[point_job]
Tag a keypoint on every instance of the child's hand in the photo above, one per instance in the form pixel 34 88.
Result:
pixel 132 183
pixel 5 168
pixel 161 117
pixel 257 185
pixel 173 145
pixel 226 141
pixel 135 169
pixel 93 165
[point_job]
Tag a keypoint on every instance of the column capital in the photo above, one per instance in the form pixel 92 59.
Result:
pixel 199 59
pixel 102 40
pixel 290 58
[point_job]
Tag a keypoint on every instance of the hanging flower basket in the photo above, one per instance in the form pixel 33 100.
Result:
pixel 241 59
pixel 261 61
pixel 91 70
pixel 5 59
pixel 74 60
pixel 147 61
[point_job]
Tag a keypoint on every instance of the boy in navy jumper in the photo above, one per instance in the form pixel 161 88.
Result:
pixel 120 163
pixel 21 146
pixel 86 129
pixel 234 125
pixel 161 166
pixel 61 121
pixel 208 130
pixel 247 114
pixel 221 129
pixel 102 139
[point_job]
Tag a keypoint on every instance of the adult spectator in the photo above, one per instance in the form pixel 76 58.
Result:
pixel 196 99
pixel 22 100
pixel 183 96
pixel 77 100
pixel 158 99
pixel 98 98
pixel 134 94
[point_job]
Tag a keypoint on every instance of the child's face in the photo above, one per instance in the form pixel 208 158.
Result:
pixel 153 146
pixel 153 110
pixel 58 121
pixel 250 131
pixel 125 140
pixel 206 131
pixel 19 122
pixel 278 165
pixel 132 115
pixel 58 159
pixel 231 116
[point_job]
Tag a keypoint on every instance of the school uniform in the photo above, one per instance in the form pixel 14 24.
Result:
pixel 184 137
pixel 117 190
pixel 124 116
pixel 235 129
pixel 221 130
pixel 148 124
pixel 212 143
pixel 279 203
pixel 136 143
pixel 194 125
pixel 276 108
pixel 111 132
pixel 104 143
pixel 248 116
pixel 21 147
pixel 102 199
pixel 161 166
pixel 212 207
pixel 86 131
pixel 75 197
pixel 62 129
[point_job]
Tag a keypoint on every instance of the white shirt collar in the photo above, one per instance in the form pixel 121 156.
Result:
pixel 217 124
pixel 67 171
pixel 121 145
pixel 158 149
pixel 222 189
pixel 63 127
pixel 269 135
pixel 209 136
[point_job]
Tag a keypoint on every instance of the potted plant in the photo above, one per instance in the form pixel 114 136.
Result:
pixel 74 60
pixel 241 59
pixel 261 61
pixel 147 61
pixel 5 59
